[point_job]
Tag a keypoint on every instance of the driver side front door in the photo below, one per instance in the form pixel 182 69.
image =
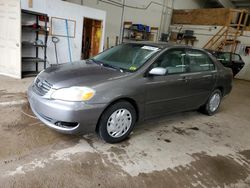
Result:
pixel 167 94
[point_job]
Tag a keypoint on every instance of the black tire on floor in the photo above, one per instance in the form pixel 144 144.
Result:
pixel 206 108
pixel 103 123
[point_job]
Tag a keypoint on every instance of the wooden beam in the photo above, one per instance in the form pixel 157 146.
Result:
pixel 30 3
pixel 218 16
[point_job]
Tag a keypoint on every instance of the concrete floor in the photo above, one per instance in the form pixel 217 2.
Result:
pixel 182 150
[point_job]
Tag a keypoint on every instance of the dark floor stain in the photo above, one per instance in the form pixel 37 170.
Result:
pixel 194 128
pixel 205 171
pixel 167 140
pixel 5 96
pixel 23 134
pixel 210 125
pixel 246 154
pixel 90 140
pixel 162 132
pixel 7 161
pixel 117 150
pixel 24 118
pixel 125 143
pixel 179 131
pixel 143 153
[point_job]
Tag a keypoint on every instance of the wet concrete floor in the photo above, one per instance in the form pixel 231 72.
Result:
pixel 183 150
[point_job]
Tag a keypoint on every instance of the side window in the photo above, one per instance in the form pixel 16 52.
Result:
pixel 173 61
pixel 236 57
pixel 199 61
pixel 224 56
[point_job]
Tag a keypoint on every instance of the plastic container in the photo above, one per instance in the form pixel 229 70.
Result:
pixel 147 29
pixel 138 27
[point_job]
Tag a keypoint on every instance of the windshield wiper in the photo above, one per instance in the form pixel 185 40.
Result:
pixel 96 62
pixel 106 65
pixel 112 66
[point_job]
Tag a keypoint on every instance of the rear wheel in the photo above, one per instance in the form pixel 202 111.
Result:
pixel 213 103
pixel 117 122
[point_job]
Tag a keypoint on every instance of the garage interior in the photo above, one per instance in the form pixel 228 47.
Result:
pixel 187 149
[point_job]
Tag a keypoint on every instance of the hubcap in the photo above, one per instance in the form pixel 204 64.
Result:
pixel 119 123
pixel 214 102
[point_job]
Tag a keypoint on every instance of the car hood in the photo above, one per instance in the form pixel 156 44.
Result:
pixel 79 73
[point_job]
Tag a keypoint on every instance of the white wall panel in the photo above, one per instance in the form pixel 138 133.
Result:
pixel 150 16
pixel 66 10
pixel 10 34
pixel 245 72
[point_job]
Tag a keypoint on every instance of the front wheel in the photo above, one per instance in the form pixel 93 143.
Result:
pixel 117 122
pixel 213 103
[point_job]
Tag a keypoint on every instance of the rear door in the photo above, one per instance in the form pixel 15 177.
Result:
pixel 10 37
pixel 237 63
pixel 201 77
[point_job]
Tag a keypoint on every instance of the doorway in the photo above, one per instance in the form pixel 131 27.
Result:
pixel 91 37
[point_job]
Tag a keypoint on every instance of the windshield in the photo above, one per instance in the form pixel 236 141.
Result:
pixel 129 57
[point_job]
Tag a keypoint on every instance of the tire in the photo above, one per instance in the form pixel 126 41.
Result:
pixel 117 122
pixel 209 108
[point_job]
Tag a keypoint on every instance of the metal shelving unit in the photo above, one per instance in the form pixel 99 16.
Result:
pixel 39 30
pixel 132 34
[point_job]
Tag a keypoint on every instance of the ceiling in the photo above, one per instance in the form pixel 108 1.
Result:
pixel 243 4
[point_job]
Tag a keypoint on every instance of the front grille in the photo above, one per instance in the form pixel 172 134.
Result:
pixel 42 87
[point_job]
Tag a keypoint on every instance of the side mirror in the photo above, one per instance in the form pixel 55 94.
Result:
pixel 158 71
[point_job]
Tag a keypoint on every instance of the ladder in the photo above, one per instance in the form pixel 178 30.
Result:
pixel 226 39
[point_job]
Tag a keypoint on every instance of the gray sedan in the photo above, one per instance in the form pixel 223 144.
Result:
pixel 128 83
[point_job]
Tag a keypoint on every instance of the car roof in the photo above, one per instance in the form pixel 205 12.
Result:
pixel 219 52
pixel 161 45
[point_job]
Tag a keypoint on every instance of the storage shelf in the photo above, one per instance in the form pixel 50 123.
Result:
pixel 136 30
pixel 26 74
pixel 133 39
pixel 33 13
pixel 30 44
pixel 32 59
pixel 30 28
pixel 131 32
pixel 40 29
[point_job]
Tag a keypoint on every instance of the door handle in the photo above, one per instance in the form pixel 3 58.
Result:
pixel 184 79
pixel 207 76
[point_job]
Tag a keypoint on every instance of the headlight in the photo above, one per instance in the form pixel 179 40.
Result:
pixel 75 94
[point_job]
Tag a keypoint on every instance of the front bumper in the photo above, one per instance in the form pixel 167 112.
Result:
pixel 81 117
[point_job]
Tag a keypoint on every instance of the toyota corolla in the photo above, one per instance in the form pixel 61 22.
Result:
pixel 132 82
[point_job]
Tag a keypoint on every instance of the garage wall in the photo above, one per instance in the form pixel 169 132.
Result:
pixel 10 27
pixel 58 8
pixel 139 12
pixel 188 4
pixel 151 16
pixel 245 72
pixel 202 33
